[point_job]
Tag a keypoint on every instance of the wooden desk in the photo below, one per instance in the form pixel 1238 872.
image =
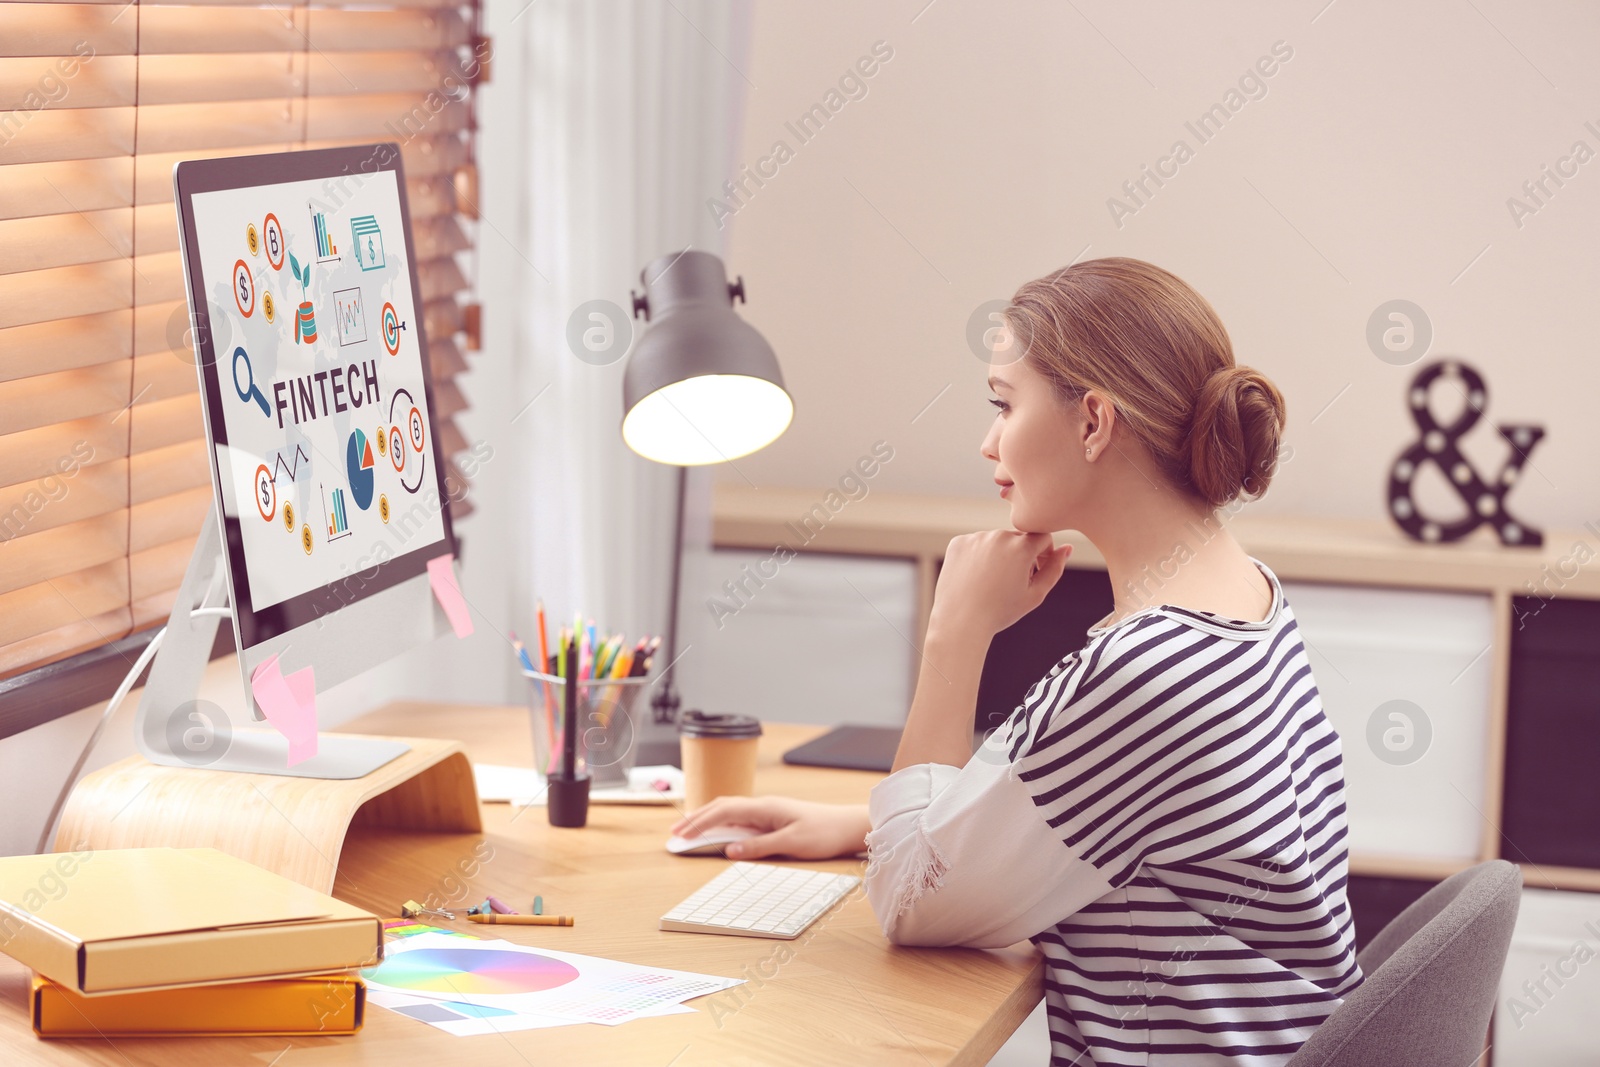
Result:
pixel 840 994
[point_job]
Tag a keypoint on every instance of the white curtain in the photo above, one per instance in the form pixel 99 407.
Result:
pixel 633 112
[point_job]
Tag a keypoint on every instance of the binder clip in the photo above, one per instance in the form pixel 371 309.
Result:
pixel 412 910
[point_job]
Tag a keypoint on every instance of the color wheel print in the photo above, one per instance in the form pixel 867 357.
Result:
pixel 408 449
pixel 471 972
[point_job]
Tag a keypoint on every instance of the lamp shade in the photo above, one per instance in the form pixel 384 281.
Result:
pixel 702 385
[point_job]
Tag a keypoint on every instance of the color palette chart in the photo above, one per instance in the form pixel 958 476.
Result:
pixel 468 985
pixel 491 972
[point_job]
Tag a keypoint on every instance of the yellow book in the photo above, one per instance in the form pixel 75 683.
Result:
pixel 312 1006
pixel 119 920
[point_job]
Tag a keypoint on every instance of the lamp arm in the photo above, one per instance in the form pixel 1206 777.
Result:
pixel 664 703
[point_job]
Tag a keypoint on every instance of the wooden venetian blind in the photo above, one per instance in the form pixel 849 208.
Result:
pixel 104 479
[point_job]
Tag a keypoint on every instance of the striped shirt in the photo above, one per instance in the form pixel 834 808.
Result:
pixel 1163 817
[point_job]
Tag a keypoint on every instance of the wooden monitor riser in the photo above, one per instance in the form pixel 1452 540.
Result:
pixel 293 826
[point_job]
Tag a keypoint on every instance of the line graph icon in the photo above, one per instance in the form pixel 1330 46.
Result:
pixel 349 316
pixel 289 468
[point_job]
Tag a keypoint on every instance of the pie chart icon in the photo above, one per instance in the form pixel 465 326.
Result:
pixel 358 464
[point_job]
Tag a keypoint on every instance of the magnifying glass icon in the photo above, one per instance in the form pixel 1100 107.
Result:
pixel 247 389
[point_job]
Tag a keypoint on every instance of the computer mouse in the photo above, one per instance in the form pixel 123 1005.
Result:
pixel 711 843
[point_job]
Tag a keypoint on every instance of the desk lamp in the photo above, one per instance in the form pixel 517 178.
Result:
pixel 702 386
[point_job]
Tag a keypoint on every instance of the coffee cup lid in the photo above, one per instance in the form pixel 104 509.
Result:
pixel 697 723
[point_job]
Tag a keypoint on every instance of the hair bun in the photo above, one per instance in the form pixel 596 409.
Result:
pixel 1235 434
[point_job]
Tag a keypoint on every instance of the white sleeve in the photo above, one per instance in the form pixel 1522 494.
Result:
pixel 963 856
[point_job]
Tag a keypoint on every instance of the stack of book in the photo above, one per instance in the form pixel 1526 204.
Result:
pixel 165 941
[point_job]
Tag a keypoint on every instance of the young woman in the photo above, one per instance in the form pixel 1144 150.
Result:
pixel 1163 816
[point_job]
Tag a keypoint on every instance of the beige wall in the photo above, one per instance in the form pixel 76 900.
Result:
pixel 1377 165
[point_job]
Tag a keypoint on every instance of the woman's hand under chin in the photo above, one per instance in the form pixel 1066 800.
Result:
pixel 991 579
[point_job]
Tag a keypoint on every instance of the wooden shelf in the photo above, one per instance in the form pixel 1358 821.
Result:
pixel 1300 548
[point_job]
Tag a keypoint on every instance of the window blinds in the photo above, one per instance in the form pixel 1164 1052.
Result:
pixel 103 476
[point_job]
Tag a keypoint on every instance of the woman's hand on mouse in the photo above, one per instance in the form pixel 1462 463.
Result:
pixel 803 829
pixel 991 579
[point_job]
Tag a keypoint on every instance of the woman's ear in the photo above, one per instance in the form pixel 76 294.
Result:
pixel 1098 415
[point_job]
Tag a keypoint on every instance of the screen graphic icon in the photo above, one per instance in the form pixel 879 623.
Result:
pixel 266 493
pixel 349 316
pixel 358 465
pixel 305 324
pixel 325 247
pixel 368 240
pixel 338 521
pixel 246 386
pixel 272 237
pixel 408 440
pixel 391 329
pixel 244 289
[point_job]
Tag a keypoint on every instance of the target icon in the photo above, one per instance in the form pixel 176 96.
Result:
pixel 391 329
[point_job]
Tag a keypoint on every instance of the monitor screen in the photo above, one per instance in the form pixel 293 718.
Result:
pixel 316 383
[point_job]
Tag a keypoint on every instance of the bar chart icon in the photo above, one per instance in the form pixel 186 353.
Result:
pixel 333 510
pixel 326 249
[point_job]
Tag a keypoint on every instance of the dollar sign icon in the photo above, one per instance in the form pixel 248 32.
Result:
pixel 383 506
pixel 266 305
pixel 383 442
pixel 250 238
pixel 305 539
pixel 288 516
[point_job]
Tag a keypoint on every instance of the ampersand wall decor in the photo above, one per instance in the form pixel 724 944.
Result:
pixel 1436 444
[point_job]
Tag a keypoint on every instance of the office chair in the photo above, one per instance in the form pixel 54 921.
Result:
pixel 1432 976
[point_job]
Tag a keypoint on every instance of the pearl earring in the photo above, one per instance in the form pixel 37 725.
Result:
pixel 1088 453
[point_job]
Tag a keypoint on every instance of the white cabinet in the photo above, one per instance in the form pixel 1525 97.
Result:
pixel 818 639
pixel 1550 989
pixel 1405 678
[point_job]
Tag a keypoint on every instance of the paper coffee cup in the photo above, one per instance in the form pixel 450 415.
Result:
pixel 719 756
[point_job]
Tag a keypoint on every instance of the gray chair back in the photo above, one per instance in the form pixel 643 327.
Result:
pixel 1432 977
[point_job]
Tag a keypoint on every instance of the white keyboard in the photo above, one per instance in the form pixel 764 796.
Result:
pixel 760 900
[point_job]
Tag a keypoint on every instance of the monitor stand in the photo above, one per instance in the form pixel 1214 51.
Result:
pixel 174 730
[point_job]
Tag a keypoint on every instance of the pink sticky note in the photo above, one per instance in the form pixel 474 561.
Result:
pixel 290 705
pixel 442 576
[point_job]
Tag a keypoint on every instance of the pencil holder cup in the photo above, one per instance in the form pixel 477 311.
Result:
pixel 604 744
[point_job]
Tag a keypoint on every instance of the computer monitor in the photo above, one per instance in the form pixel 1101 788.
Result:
pixel 317 397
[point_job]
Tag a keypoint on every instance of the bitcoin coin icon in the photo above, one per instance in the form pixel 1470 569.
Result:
pixel 305 539
pixel 266 306
pixel 383 506
pixel 252 239
pixel 288 516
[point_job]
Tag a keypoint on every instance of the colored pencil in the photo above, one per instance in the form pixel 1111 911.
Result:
pixel 549 696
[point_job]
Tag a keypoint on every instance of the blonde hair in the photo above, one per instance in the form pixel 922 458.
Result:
pixel 1151 344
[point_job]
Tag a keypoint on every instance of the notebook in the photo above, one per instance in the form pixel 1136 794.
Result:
pixel 117 920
